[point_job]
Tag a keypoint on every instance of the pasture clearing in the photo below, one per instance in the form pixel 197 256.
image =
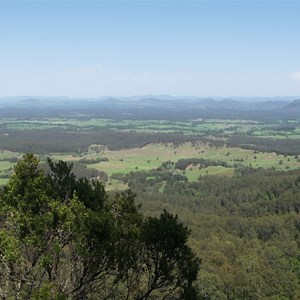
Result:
pixel 7 155
pixel 193 172
pixel 3 181
pixel 5 165
pixel 153 155
pixel 6 169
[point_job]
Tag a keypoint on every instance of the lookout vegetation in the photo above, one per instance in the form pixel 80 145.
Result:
pixel 64 238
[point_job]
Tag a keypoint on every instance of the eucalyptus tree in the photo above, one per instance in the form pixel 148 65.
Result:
pixel 64 238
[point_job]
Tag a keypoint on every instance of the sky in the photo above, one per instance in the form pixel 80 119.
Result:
pixel 125 48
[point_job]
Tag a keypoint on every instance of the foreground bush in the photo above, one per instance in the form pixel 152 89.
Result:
pixel 63 238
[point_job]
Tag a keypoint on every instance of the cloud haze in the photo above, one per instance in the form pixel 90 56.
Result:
pixel 98 80
pixel 296 75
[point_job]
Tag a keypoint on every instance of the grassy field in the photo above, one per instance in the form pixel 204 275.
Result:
pixel 6 155
pixel 6 164
pixel 193 172
pixel 3 181
pixel 6 168
pixel 152 156
pixel 115 185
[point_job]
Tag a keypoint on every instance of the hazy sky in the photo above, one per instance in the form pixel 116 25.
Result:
pixel 201 48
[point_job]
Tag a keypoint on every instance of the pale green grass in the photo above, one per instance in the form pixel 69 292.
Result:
pixel 294 136
pixel 45 123
pixel 67 157
pixel 193 173
pixel 4 165
pixel 126 161
pixel 4 154
pixel 3 181
pixel 115 185
pixel 153 155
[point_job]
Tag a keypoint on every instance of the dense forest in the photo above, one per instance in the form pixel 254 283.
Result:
pixel 245 228
pixel 64 141
pixel 47 141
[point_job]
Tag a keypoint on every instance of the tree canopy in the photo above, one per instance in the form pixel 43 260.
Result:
pixel 64 238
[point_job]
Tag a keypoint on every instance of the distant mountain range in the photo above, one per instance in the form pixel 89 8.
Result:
pixel 65 99
pixel 154 107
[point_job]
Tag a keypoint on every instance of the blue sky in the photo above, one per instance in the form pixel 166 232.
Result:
pixel 123 48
